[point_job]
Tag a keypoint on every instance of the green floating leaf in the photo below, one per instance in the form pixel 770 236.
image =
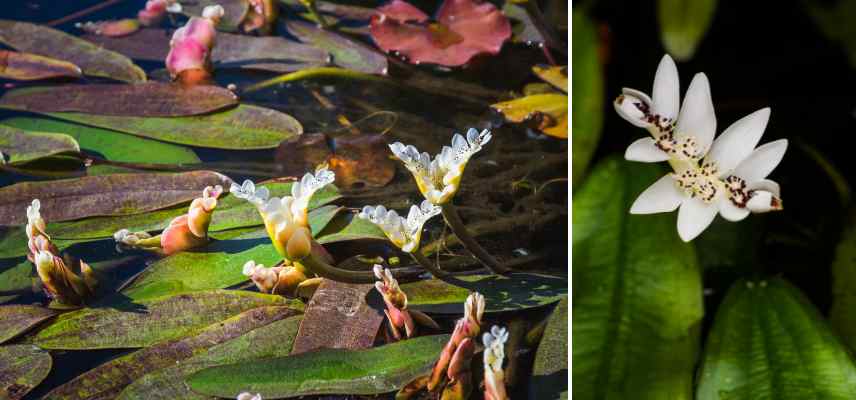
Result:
pixel 550 371
pixel 769 342
pixel 328 371
pixel 587 102
pixel 111 145
pixel 346 227
pixel 19 318
pixel 272 340
pixel 122 194
pixel 841 315
pixel 637 293
pixel 127 324
pixel 22 367
pixel 346 53
pixel 683 24
pixel 245 127
pixel 515 292
pixel 111 377
pixel 19 146
pixel 49 42
pixel 16 277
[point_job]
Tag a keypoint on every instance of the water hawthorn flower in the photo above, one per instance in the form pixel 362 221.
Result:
pixel 494 354
pixel 439 179
pixel 400 317
pixel 37 239
pixel 285 280
pixel 189 58
pixel 185 232
pixel 404 233
pixel 726 176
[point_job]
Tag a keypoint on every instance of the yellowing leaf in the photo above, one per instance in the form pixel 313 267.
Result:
pixel 556 75
pixel 548 111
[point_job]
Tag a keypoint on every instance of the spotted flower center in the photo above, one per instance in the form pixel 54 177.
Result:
pixel 700 181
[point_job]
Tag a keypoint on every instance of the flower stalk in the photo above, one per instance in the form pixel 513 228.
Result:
pixel 450 214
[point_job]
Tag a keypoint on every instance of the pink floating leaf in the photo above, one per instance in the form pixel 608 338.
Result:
pixel 462 30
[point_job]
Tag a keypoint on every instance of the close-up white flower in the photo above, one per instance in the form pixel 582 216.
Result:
pixel 405 233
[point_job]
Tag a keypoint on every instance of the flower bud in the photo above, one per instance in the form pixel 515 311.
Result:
pixel 299 244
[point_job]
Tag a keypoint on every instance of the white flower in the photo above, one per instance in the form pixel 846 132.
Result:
pixel 125 236
pixel 438 179
pixel 494 348
pixel 249 396
pixel 213 12
pixel 474 307
pixel 387 283
pixel 249 192
pixel 675 136
pixel 730 180
pixel 402 232
pixel 35 222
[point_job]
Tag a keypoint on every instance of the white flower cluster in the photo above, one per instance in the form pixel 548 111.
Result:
pixel 403 232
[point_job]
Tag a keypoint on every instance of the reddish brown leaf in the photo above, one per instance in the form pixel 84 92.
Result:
pixel 152 99
pixel 28 67
pixel 17 319
pixel 339 317
pixel 120 194
pixel 462 30
pixel 357 159
pixel 302 153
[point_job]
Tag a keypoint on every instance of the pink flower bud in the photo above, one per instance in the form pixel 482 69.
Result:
pixel 190 47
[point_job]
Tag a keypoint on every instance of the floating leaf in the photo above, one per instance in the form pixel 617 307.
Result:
pixel 245 127
pixel 346 52
pixel 22 367
pixel 29 67
pixel 555 75
pixel 356 159
pixel 67 199
pixel 549 112
pixel 110 378
pixel 107 144
pixel 49 42
pixel 328 371
pixel 140 324
pixel 587 107
pixel 272 340
pixel 339 317
pixel 19 146
pixel 517 291
pixel 347 226
pixel 633 269
pixel 550 371
pixel 769 342
pixel 151 99
pixel 235 12
pixel 462 30
pixel 16 277
pixel 17 319
pixel 683 24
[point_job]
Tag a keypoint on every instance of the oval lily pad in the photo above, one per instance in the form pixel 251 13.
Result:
pixel 29 67
pixel 22 367
pixel 49 42
pixel 768 341
pixel 150 99
pixel 636 270
pixel 111 377
pixel 346 53
pixel 128 324
pixel 120 194
pixel 272 340
pixel 19 146
pixel 19 318
pixel 517 291
pixel 328 371
pixel 245 127
pixel 550 371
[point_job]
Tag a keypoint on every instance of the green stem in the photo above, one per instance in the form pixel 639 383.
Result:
pixel 457 225
pixel 433 269
pixel 328 271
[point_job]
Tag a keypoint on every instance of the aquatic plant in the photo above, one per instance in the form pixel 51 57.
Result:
pixel 494 355
pixel 401 319
pixel 189 58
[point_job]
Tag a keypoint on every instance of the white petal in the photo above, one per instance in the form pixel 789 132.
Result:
pixel 763 201
pixel 697 118
pixel 767 185
pixel 629 105
pixel 738 141
pixel 667 89
pixel 694 217
pixel 662 196
pixel 730 211
pixel 645 150
pixel 762 161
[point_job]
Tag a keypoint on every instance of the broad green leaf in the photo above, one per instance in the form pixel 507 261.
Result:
pixel 272 340
pixel 587 102
pixel 550 371
pixel 128 324
pixel 517 291
pixel 19 318
pixel 49 42
pixel 683 24
pixel 769 342
pixel 245 127
pixel 22 367
pixel 637 302
pixel 103 380
pixel 18 146
pixel 111 145
pixel 16 277
pixel 346 53
pixel 328 371
pixel 841 315
pixel 346 227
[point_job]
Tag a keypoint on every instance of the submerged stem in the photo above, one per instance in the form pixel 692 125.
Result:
pixel 434 270
pixel 328 271
pixel 450 214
